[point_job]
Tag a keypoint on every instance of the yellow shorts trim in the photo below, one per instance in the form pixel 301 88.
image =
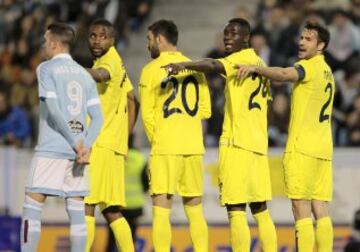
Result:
pixel 307 177
pixel 107 182
pixel 244 176
pixel 181 174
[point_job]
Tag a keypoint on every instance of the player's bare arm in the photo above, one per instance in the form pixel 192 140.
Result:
pixel 205 66
pixel 133 109
pixel 99 74
pixel 273 73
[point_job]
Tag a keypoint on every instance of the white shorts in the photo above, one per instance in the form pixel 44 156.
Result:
pixel 57 177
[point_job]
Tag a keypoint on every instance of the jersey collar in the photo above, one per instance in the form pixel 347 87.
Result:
pixel 170 53
pixel 62 56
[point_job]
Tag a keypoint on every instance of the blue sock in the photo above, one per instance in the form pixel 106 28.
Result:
pixel 78 233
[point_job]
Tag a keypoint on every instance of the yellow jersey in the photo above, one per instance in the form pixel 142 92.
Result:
pixel 113 101
pixel 172 107
pixel 311 109
pixel 245 115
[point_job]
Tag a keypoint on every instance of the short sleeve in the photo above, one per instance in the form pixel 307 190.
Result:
pixel 228 65
pixel 304 70
pixel 106 63
pixel 45 82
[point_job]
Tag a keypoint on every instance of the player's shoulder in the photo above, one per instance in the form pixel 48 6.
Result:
pixel 151 66
pixel 83 71
pixel 44 66
pixel 111 55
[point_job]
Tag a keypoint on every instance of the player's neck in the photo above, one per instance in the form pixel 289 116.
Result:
pixel 168 48
pixel 314 55
pixel 58 52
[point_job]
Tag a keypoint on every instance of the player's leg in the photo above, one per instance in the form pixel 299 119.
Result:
pixel 190 187
pixel 198 226
pixel 324 233
pixel 76 187
pixel 305 236
pixel 164 172
pixel 75 209
pixel 267 231
pixel 322 195
pixel 161 227
pixel 94 175
pixel 233 185
pixel 299 176
pixel 112 197
pixel 90 225
pixel 240 238
pixel 31 221
pixel 259 193
pixel 46 177
pixel 119 227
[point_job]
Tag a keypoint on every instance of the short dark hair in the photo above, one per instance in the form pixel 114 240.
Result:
pixel 64 33
pixel 167 28
pixel 105 23
pixel 243 23
pixel 323 32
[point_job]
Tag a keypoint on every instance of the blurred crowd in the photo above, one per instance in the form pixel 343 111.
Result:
pixel 276 26
pixel 22 25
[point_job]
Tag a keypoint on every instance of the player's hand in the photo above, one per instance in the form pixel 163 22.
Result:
pixel 244 71
pixel 85 156
pixel 173 69
pixel 82 153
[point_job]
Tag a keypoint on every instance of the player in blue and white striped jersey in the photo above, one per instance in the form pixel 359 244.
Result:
pixel 67 96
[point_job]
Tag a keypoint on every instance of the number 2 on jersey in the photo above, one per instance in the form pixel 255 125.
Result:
pixel 325 117
pixel 262 83
pixel 188 80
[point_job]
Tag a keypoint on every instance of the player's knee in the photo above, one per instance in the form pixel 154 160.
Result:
pixel 36 196
pixel 162 200
pixel 90 210
pixel 301 209
pixel 319 209
pixel 112 213
pixel 191 201
pixel 236 207
pixel 257 207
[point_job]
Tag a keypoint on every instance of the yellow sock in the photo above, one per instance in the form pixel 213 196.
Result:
pixel 324 234
pixel 239 231
pixel 122 234
pixel 90 228
pixel 198 228
pixel 305 235
pixel 161 229
pixel 267 232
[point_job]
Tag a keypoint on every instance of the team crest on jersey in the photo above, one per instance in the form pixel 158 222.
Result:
pixel 76 126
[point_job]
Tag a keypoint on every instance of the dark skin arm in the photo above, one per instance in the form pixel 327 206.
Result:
pixel 99 74
pixel 205 66
pixel 133 109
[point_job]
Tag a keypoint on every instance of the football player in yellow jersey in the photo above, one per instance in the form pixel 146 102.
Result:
pixel 244 175
pixel 172 109
pixel 119 108
pixel 309 149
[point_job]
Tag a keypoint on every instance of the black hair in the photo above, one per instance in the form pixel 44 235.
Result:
pixel 166 28
pixel 64 33
pixel 244 25
pixel 103 22
pixel 323 32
